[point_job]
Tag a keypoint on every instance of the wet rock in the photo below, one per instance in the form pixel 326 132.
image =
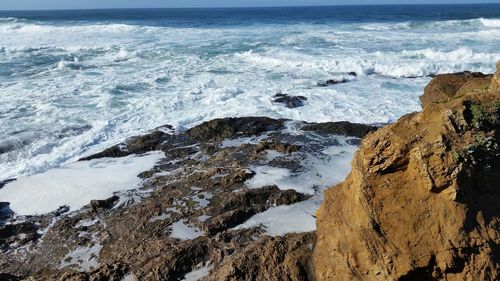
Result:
pixel 228 220
pixel 5 212
pixel 105 204
pixel 135 145
pixel 289 101
pixel 19 234
pixel 260 199
pixel 285 148
pixel 184 215
pixel 3 183
pixel 219 129
pixel 111 272
pixel 340 128
pixel 331 82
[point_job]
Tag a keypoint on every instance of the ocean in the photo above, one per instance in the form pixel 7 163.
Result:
pixel 75 82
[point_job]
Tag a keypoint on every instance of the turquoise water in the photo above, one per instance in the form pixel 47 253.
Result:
pixel 75 82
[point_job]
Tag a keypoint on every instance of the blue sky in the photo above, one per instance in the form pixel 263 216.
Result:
pixel 90 4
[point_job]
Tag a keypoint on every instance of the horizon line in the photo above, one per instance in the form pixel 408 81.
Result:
pixel 245 7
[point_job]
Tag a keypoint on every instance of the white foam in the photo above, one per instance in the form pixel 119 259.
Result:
pixel 203 218
pixel 160 218
pixel 321 171
pixel 278 221
pixel 490 22
pixel 198 274
pixel 202 199
pixel 121 80
pixel 84 258
pixel 86 223
pixel 129 277
pixel 182 230
pixel 75 185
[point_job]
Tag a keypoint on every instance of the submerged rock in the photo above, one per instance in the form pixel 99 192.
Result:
pixel 289 101
pixel 421 201
pixel 3 183
pixel 350 77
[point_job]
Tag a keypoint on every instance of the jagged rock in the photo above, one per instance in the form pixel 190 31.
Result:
pixel 20 234
pixel 201 188
pixel 495 83
pixel 105 204
pixel 278 146
pixel 340 128
pixel 421 201
pixel 272 258
pixel 447 86
pixel 289 101
pixel 219 129
pixel 135 145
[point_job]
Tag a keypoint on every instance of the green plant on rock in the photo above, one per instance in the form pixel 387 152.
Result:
pixel 478 113
pixel 457 155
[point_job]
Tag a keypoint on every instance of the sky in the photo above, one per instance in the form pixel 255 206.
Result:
pixel 99 4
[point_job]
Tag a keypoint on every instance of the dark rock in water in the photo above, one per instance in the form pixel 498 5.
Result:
pixel 176 145
pixel 5 212
pixel 5 182
pixel 340 128
pixel 338 81
pixel 289 101
pixel 333 82
pixel 72 131
pixel 219 129
pixel 135 145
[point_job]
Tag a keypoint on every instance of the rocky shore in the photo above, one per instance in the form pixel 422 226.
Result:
pixel 234 199
pixel 201 211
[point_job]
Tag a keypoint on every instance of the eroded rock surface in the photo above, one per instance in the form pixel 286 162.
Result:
pixel 184 219
pixel 421 201
pixel 446 86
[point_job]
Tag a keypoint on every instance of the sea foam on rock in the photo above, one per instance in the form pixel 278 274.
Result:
pixel 204 204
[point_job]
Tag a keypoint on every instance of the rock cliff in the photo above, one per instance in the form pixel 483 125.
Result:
pixel 422 199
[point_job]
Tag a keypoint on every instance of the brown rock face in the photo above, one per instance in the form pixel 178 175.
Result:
pixel 446 86
pixel 495 83
pixel 422 199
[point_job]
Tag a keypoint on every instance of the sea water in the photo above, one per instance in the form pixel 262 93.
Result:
pixel 75 82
